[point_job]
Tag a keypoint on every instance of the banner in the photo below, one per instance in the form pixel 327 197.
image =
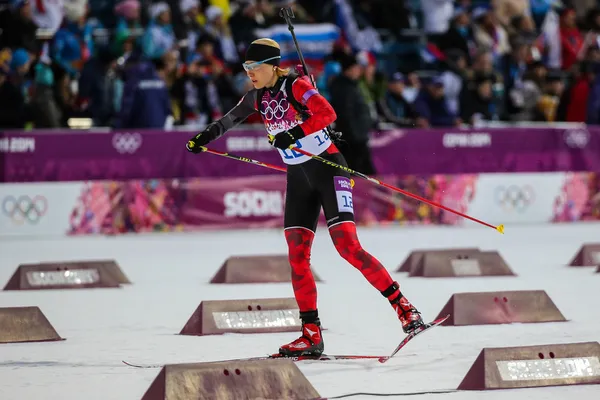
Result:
pixel 126 155
pixel 162 205
pixel 81 156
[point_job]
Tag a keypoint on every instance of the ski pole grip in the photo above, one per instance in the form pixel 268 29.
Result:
pixel 287 13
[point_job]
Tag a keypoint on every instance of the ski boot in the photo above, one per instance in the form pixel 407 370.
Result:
pixel 408 315
pixel 311 341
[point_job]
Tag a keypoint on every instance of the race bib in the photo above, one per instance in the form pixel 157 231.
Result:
pixel 343 192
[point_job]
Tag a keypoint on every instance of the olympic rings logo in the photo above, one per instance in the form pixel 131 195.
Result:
pixel 274 109
pixel 514 198
pixel 577 138
pixel 127 143
pixel 25 208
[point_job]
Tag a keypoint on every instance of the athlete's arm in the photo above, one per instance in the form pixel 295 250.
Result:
pixel 322 113
pixel 235 116
pixel 216 129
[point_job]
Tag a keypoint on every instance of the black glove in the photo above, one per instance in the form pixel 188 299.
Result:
pixel 284 140
pixel 210 133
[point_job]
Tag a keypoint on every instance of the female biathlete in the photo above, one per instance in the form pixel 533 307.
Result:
pixel 311 185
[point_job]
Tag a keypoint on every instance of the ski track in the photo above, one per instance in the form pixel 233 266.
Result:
pixel 139 323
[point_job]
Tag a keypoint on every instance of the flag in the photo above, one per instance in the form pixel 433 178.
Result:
pixel 315 40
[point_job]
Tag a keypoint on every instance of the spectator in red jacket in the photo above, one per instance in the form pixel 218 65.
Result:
pixel 571 40
pixel 578 96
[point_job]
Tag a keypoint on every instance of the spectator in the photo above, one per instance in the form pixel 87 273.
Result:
pixel 372 83
pixel 593 109
pixel 146 102
pixel 395 108
pixel 73 43
pixel 331 69
pixel 573 106
pixel 431 105
pixel 19 70
pixel 412 87
pixel 437 15
pixel 571 40
pixel 97 88
pixel 48 14
pixel 44 108
pixel 507 10
pixel 476 102
pixel 159 38
pixel 524 96
pixel 453 78
pixel 128 26
pixel 249 16
pixel 523 26
pixel 393 15
pixel 5 59
pixel 218 29
pixel 18 28
pixel 513 67
pixel 13 110
pixel 190 95
pixel 489 34
pixel 548 102
pixel 459 35
pixel 483 63
pixel 221 93
pixel 353 115
pixel 193 23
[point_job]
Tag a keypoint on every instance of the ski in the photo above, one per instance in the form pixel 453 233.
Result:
pixel 322 357
pixel 411 335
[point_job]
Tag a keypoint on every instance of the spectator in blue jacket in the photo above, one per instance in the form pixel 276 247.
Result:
pixel 159 38
pixel 74 42
pixel 331 69
pixel 146 102
pixel 128 26
pixel 431 105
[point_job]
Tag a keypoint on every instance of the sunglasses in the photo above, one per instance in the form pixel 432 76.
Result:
pixel 254 65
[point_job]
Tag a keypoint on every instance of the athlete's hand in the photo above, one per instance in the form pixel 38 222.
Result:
pixel 286 139
pixel 197 143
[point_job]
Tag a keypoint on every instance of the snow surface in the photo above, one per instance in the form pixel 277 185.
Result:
pixel 170 272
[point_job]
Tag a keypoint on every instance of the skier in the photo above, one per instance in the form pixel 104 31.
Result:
pixel 295 114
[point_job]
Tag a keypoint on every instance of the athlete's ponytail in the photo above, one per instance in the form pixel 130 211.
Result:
pixel 281 71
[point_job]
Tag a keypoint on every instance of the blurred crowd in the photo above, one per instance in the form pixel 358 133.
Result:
pixel 423 63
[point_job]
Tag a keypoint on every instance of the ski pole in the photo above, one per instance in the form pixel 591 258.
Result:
pixel 499 228
pixel 287 14
pixel 244 159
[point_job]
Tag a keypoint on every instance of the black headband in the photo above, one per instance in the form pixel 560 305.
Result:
pixel 261 52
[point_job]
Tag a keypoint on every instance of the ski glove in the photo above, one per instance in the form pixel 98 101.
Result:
pixel 210 133
pixel 284 140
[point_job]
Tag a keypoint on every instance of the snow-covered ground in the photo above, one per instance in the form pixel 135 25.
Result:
pixel 170 274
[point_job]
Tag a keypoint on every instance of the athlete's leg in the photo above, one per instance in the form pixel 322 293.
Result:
pixel 336 197
pixel 302 209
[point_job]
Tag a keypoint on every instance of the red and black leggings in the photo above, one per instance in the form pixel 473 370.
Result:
pixel 310 186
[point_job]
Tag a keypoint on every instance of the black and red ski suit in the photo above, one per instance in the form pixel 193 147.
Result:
pixel 311 185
